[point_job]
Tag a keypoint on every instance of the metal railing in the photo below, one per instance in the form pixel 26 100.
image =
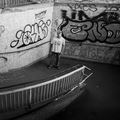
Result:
pixel 14 3
pixel 41 92
pixel 11 3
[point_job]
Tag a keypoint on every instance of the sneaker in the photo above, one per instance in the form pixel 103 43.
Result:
pixel 49 66
pixel 57 67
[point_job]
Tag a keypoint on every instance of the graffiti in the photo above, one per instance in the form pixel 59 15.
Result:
pixel 104 28
pixel 112 8
pixel 40 15
pixel 90 52
pixel 92 8
pixel 88 7
pixel 95 53
pixel 2 29
pixel 31 34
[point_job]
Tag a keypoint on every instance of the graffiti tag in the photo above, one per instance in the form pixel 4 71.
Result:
pixel 77 6
pixel 104 28
pixel 40 15
pixel 31 34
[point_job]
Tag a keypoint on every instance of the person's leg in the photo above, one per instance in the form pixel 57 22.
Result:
pixel 57 63
pixel 51 60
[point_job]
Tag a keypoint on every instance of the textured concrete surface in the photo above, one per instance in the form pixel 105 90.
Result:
pixel 25 33
pixel 102 54
pixel 36 72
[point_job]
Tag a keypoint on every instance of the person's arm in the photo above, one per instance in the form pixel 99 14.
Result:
pixel 63 46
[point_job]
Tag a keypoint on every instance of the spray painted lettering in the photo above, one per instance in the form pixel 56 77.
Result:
pixel 87 7
pixel 40 15
pixel 104 28
pixel 31 34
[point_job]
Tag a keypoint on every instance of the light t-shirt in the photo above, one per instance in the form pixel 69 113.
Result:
pixel 57 44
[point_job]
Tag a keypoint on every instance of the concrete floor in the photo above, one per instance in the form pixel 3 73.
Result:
pixel 101 99
pixel 38 72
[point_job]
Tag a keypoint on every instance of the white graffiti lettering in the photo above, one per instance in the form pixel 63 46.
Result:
pixel 31 34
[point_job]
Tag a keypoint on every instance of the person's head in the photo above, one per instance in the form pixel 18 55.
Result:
pixel 59 34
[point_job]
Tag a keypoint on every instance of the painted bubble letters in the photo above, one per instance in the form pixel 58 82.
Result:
pixel 31 34
pixel 104 28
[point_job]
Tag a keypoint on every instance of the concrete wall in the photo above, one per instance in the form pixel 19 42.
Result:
pixel 24 35
pixel 91 29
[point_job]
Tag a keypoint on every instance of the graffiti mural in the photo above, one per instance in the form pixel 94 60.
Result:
pixel 31 34
pixel 104 28
pixel 87 7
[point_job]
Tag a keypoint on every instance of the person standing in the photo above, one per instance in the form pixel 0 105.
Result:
pixel 57 47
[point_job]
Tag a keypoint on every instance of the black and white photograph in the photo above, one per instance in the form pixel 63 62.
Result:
pixel 59 59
